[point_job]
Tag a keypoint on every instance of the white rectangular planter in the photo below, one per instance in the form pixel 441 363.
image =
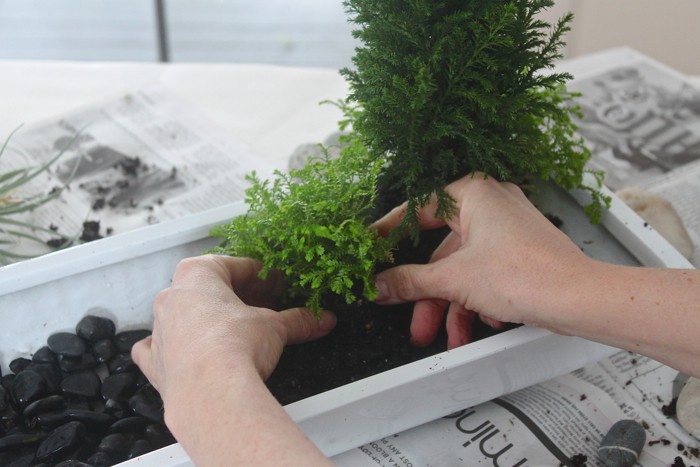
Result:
pixel 122 274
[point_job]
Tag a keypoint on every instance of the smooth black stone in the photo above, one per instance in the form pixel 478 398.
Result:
pixel 4 398
pixel 11 442
pixel 9 419
pixel 49 421
pixel 147 402
pixel 116 444
pixel 51 373
pixel 27 387
pixel 158 435
pixel 140 447
pixel 100 459
pixel 65 343
pixel 94 328
pixel 22 459
pixel 81 384
pixel 133 425
pixel 94 420
pixel 44 355
pixel 19 364
pixel 104 350
pixel 119 385
pixel 121 363
pixel 142 380
pixel 60 442
pixel 44 405
pixel 86 361
pixel 126 339
pixel 6 381
pixel 72 463
pixel 78 405
pixel 117 407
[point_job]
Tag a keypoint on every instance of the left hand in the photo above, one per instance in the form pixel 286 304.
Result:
pixel 214 318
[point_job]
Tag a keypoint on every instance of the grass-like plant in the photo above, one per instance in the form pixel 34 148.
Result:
pixel 12 204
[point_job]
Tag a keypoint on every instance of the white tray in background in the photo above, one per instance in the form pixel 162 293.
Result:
pixel 122 274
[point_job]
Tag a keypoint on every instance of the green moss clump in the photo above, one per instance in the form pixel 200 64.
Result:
pixel 313 225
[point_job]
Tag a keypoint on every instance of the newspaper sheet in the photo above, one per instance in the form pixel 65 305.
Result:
pixel 642 122
pixel 130 161
pixel 560 422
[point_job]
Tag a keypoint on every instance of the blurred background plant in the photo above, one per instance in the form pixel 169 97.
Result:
pixel 17 199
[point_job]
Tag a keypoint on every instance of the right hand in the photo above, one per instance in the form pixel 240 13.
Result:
pixel 501 259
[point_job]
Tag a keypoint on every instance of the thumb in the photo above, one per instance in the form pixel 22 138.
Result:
pixel 409 283
pixel 301 325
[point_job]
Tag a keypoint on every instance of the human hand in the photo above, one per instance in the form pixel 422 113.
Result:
pixel 500 260
pixel 213 318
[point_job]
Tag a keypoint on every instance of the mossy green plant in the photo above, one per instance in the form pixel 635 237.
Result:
pixel 313 225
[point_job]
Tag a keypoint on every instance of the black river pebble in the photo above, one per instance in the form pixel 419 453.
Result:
pixel 47 404
pixel 95 328
pixel 3 398
pixel 81 385
pixel 119 385
pixel 44 355
pixel 72 463
pixel 61 442
pixel 65 343
pixel 126 339
pixel 19 364
pixel 70 364
pixel 80 401
pixel 104 350
pixel 27 387
pixel 147 402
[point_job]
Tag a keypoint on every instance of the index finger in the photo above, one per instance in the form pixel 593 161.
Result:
pixel 426 218
pixel 238 274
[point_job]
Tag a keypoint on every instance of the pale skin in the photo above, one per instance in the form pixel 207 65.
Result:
pixel 503 262
pixel 214 336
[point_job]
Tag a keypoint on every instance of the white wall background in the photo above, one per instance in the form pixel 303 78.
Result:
pixel 667 30
pixel 302 32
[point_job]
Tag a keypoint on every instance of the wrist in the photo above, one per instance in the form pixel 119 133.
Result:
pixel 190 399
pixel 563 298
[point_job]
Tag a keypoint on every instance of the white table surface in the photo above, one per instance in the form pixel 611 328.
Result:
pixel 271 108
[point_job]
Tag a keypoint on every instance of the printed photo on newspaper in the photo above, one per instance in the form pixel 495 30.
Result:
pixel 125 163
pixel 641 120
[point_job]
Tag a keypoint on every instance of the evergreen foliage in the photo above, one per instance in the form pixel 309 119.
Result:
pixel 441 88
pixel 313 225
pixel 450 87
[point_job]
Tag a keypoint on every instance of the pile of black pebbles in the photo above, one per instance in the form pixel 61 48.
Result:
pixel 80 401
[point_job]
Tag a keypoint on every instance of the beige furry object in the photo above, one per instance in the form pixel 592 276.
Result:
pixel 661 215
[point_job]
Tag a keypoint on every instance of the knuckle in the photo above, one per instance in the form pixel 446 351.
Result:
pixel 404 284
pixel 187 265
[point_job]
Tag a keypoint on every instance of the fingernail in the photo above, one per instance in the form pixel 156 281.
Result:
pixel 328 321
pixel 382 291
